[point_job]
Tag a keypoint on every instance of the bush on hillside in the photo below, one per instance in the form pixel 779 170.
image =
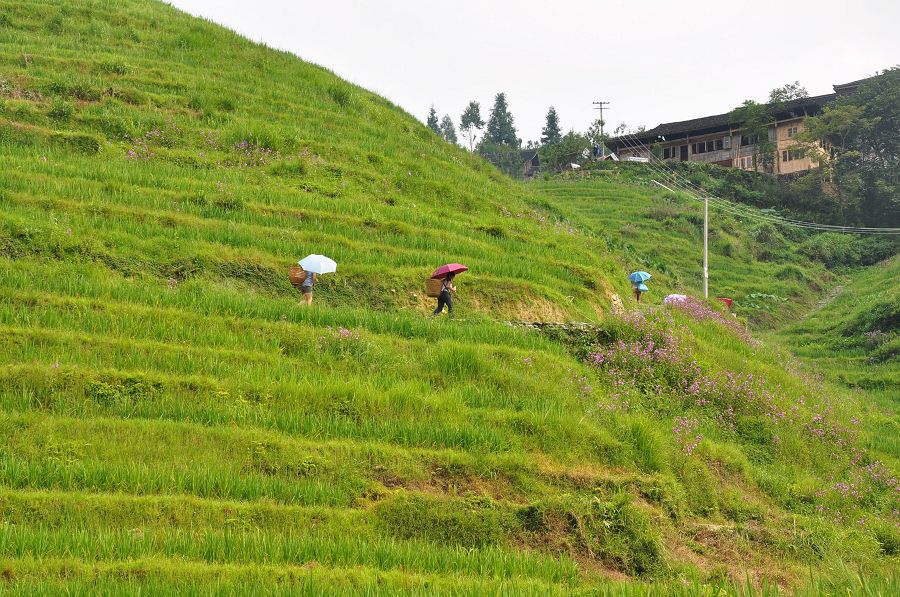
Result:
pixel 832 248
pixel 473 522
pixel 61 111
pixel 77 142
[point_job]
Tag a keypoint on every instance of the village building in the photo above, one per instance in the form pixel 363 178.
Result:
pixel 531 163
pixel 718 140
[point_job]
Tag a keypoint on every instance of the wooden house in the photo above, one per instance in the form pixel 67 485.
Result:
pixel 717 140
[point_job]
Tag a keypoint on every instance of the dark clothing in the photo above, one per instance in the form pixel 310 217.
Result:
pixel 445 298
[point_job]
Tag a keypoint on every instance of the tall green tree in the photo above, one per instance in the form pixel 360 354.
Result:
pixel 470 123
pixel 501 129
pixel 432 121
pixel 754 120
pixel 448 131
pixel 862 150
pixel 595 137
pixel 551 133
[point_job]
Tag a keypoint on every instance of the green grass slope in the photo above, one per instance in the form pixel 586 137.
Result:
pixel 853 339
pixel 192 155
pixel 173 421
pixel 774 274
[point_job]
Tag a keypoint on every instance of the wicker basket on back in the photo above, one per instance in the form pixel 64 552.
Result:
pixel 433 287
pixel 296 275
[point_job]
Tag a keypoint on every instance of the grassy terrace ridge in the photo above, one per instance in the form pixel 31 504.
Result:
pixel 173 421
pixel 852 339
pixel 774 274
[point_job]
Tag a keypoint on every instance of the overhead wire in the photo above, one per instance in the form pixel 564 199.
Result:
pixel 686 187
pixel 671 176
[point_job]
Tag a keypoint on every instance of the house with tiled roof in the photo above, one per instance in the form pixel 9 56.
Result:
pixel 718 140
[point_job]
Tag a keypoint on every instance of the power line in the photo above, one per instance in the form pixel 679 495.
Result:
pixel 663 170
pixel 780 219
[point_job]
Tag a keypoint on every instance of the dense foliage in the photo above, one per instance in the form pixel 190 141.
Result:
pixel 861 168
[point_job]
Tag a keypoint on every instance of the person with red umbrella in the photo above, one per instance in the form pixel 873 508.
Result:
pixel 446 273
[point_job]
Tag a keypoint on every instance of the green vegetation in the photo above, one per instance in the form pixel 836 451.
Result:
pixel 174 421
pixel 853 340
pixel 772 273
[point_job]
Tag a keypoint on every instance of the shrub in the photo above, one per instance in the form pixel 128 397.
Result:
pixel 768 243
pixel 473 522
pixel 620 533
pixel 341 95
pixel 113 67
pixel 78 142
pixel 289 168
pixel 832 249
pixel 492 230
pixel 61 111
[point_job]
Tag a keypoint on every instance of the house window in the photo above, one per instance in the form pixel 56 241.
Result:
pixel 791 131
pixel 752 140
pixel 719 144
pixel 667 153
pixel 789 155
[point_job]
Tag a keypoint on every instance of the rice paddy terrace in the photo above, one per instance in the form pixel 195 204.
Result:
pixel 174 421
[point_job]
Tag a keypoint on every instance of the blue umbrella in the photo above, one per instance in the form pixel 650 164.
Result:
pixel 638 277
pixel 643 287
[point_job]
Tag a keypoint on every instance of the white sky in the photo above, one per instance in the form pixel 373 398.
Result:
pixel 653 60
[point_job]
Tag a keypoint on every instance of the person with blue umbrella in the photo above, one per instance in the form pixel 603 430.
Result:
pixel 637 280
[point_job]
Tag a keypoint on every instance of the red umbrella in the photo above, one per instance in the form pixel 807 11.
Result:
pixel 450 268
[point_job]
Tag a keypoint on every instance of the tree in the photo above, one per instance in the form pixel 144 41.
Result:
pixel 470 122
pixel 754 119
pixel 596 138
pixel 788 92
pixel 432 121
pixel 448 131
pixel 500 127
pixel 862 137
pixel 551 133
pixel 570 148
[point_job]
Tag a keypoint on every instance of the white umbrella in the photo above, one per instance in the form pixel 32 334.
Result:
pixel 318 264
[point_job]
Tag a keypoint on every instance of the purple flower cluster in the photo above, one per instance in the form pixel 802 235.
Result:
pixel 651 360
pixel 702 311
pixel 252 155
pixel 140 146
pixel 686 433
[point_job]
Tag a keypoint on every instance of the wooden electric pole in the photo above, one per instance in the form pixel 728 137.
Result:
pixel 600 106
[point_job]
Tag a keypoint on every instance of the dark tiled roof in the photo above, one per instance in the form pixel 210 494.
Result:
pixel 710 124
pixel 852 85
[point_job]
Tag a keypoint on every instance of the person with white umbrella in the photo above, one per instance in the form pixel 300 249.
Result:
pixel 314 265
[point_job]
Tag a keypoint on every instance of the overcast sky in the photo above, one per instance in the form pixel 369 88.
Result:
pixel 653 60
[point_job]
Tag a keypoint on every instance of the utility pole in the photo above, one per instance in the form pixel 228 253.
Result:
pixel 705 238
pixel 706 247
pixel 600 106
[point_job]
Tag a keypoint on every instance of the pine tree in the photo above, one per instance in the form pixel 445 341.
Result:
pixel 500 127
pixel 550 135
pixel 432 121
pixel 470 122
pixel 448 131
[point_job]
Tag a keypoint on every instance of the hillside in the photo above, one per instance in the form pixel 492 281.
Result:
pixel 852 339
pixel 174 421
pixel 774 274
